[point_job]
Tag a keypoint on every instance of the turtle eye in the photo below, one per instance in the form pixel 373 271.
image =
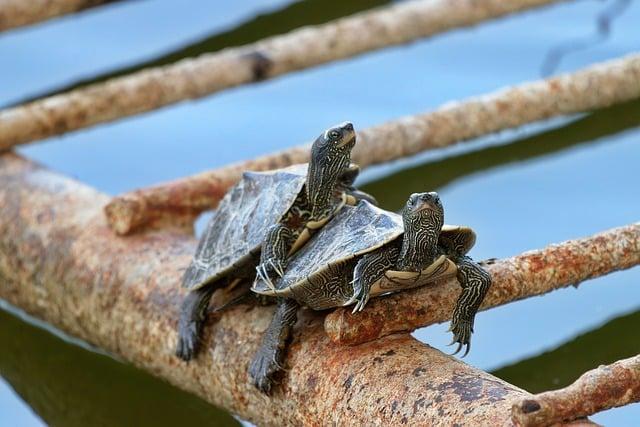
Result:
pixel 334 134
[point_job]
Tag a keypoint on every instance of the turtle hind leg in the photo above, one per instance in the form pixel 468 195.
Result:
pixel 275 249
pixel 270 356
pixel 475 282
pixel 192 316
pixel 368 270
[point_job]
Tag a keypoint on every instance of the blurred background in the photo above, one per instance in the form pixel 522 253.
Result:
pixel 520 190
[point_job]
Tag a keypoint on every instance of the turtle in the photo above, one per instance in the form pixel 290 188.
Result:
pixel 364 252
pixel 263 218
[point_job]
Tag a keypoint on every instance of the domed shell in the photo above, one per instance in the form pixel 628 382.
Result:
pixel 457 237
pixel 237 228
pixel 354 231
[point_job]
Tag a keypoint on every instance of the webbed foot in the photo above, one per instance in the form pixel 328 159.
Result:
pixel 360 296
pixel 367 271
pixel 267 362
pixel 475 282
pixel 188 340
pixel 262 371
pixel 192 315
pixel 462 331
pixel 275 248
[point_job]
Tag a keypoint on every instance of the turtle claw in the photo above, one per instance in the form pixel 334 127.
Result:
pixel 457 350
pixel 462 331
pixel 262 371
pixel 263 272
pixel 187 342
pixel 360 297
pixel 264 276
pixel 277 267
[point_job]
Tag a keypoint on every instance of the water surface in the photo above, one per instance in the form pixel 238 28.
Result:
pixel 520 189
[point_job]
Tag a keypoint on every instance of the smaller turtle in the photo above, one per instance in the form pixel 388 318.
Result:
pixel 366 251
pixel 261 220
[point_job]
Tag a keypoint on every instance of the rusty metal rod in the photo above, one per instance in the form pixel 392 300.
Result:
pixel 60 262
pixel 597 86
pixel 531 273
pixel 18 13
pixel 196 77
pixel 608 386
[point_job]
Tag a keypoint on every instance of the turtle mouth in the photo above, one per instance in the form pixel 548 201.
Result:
pixel 348 139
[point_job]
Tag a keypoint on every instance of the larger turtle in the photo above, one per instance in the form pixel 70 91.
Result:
pixel 366 251
pixel 261 220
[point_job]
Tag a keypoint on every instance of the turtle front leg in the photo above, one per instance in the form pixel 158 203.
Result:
pixel 269 359
pixel 275 249
pixel 369 269
pixel 192 316
pixel 345 183
pixel 475 282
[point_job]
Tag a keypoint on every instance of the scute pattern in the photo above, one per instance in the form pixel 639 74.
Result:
pixel 354 231
pixel 238 226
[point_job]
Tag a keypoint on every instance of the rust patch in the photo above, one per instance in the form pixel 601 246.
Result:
pixel 529 406
pixel 419 371
pixel 470 389
pixel 261 65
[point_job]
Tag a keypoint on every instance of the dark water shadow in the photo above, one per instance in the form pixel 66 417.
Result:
pixel 296 15
pixel 615 340
pixel 437 174
pixel 67 385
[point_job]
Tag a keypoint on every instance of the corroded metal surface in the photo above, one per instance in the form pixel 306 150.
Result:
pixel 594 87
pixel 60 262
pixel 602 388
pixel 193 78
pixel 529 274
pixel 17 13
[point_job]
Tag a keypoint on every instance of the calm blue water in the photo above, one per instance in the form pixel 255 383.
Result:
pixel 515 197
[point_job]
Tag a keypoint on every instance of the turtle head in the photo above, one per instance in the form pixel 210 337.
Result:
pixel 333 146
pixel 423 217
pixel 425 211
pixel 330 156
pixel 341 136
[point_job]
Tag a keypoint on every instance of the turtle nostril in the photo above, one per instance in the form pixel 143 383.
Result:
pixel 348 126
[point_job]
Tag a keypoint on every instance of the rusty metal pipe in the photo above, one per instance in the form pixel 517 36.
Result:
pixel 529 274
pixel 192 78
pixel 597 86
pixel 60 262
pixel 18 13
pixel 608 386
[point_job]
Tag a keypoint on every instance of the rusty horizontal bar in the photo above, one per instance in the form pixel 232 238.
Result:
pixel 605 387
pixel 60 262
pixel 271 57
pixel 597 86
pixel 522 276
pixel 18 13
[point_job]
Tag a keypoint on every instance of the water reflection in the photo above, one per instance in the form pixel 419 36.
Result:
pixel 71 386
pixel 604 23
pixel 295 15
pixel 440 173
pixel 240 124
pixel 561 366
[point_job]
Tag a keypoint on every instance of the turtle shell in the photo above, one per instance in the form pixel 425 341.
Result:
pixel 354 231
pixel 458 238
pixel 236 231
